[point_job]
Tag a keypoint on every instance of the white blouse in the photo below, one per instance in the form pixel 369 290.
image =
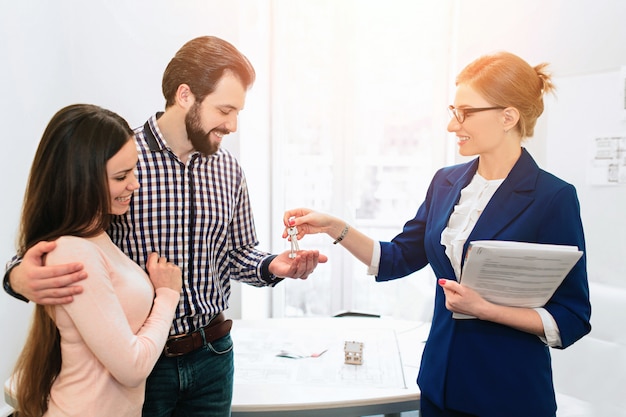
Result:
pixel 473 200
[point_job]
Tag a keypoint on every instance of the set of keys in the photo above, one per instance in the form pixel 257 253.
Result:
pixel 293 237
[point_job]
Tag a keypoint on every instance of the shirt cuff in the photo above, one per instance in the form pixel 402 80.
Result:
pixel 6 284
pixel 550 328
pixel 375 261
pixel 266 275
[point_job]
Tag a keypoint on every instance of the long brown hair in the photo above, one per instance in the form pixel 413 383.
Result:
pixel 67 194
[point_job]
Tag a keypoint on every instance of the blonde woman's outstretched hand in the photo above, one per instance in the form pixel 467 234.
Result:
pixel 310 222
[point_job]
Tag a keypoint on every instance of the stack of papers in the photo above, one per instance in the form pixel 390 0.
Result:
pixel 518 274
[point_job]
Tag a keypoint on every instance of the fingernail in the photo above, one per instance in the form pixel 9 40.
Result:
pixel 442 281
pixel 292 220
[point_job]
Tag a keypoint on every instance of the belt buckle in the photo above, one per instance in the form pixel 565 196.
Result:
pixel 166 349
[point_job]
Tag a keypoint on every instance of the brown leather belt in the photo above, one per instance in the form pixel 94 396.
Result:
pixel 182 344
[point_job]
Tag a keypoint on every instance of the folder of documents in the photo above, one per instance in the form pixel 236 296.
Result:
pixel 518 274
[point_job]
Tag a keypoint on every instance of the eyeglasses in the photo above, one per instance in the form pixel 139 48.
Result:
pixel 461 114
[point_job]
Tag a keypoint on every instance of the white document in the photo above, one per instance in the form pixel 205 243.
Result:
pixel 518 274
pixel 258 358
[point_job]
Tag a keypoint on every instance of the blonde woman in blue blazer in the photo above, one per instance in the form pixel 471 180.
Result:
pixel 499 363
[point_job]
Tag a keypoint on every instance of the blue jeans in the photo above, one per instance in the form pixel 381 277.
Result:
pixel 198 384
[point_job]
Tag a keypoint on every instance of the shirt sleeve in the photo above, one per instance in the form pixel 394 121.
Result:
pixel 373 268
pixel 100 319
pixel 250 265
pixel 6 282
pixel 247 264
pixel 550 328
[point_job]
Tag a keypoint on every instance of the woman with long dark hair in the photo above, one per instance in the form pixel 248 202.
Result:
pixel 90 357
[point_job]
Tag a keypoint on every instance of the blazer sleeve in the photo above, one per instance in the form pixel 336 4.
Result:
pixel 570 305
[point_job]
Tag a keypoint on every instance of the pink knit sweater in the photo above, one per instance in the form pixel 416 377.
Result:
pixel 111 334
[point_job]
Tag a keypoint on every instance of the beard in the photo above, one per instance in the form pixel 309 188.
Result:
pixel 200 138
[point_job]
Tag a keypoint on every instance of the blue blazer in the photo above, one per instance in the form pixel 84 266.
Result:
pixel 477 366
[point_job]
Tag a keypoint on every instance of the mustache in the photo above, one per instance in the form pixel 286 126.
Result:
pixel 221 130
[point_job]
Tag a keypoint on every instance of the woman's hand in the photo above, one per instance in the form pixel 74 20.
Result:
pixel 461 299
pixel 464 300
pixel 311 222
pixel 163 273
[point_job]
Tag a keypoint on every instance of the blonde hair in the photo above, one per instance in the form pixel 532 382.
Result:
pixel 506 80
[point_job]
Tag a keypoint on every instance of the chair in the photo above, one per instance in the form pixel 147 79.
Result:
pixel 590 375
pixel 355 314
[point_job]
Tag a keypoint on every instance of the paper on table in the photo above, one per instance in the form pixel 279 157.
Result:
pixel 256 361
pixel 518 274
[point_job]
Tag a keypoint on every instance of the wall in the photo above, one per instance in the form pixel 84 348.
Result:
pixel 590 106
pixel 575 36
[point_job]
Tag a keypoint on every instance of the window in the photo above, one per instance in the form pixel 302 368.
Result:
pixel 358 129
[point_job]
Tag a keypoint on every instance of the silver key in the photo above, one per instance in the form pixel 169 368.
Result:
pixel 293 237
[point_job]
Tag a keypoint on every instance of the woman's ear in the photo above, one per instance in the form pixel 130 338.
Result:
pixel 511 117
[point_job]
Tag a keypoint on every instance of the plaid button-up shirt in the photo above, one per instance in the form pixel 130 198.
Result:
pixel 198 215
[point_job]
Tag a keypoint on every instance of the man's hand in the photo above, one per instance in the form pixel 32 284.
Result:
pixel 48 285
pixel 299 267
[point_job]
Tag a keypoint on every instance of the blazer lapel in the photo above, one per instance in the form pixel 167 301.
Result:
pixel 512 197
pixel 446 194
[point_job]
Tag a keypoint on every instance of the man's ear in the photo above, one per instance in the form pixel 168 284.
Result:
pixel 511 117
pixel 184 96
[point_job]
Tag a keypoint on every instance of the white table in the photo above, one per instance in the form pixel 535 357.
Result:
pixel 270 386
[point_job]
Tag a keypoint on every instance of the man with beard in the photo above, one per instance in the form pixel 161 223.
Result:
pixel 193 208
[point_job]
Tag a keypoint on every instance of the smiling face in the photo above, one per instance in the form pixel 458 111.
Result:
pixel 481 132
pixel 121 177
pixel 207 122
